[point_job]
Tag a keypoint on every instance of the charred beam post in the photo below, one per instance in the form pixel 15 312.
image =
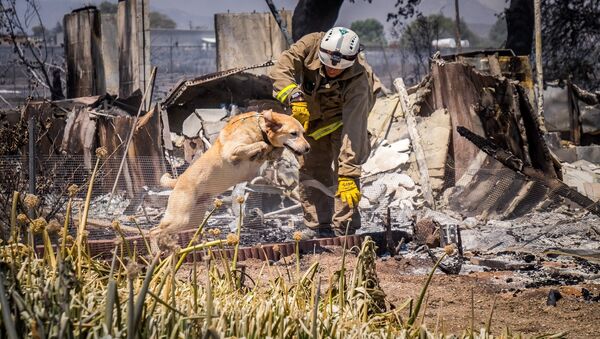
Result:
pixel 514 163
pixel 416 142
pixel 574 113
pixel 537 8
pixel 280 22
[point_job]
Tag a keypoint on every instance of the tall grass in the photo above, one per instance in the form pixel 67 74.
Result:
pixel 145 297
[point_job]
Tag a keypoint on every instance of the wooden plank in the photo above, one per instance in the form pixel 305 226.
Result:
pixel 109 53
pixel 128 51
pixel 459 78
pixel 416 142
pixel 81 39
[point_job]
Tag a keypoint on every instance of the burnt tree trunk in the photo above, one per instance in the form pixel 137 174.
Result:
pixel 314 16
pixel 520 25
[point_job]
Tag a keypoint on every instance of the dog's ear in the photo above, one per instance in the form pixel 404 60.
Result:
pixel 270 121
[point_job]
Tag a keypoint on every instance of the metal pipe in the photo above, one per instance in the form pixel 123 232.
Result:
pixel 537 8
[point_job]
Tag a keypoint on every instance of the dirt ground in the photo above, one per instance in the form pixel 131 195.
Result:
pixel 522 310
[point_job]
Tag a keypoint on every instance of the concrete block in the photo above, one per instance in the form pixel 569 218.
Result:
pixel 592 190
pixel 245 39
pixel 556 109
pixel 589 153
pixel 590 119
pixel 573 154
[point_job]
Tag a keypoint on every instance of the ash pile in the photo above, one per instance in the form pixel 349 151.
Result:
pixel 467 161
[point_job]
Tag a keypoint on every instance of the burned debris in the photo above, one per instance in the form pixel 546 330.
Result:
pixel 464 173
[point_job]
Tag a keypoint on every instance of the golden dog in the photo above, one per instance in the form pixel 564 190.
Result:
pixel 243 145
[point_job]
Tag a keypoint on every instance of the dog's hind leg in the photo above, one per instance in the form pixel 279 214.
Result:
pixel 199 211
pixel 180 208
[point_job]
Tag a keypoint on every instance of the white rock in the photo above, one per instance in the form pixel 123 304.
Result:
pixel 401 145
pixel 402 193
pixel 406 205
pixel 470 222
pixel 384 159
pixel 364 204
pixel 405 181
pixel 375 191
pixel 394 180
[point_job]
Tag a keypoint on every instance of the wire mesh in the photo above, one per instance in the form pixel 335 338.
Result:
pixel 132 205
pixel 489 190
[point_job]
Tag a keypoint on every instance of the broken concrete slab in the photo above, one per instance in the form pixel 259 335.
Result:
pixel 590 153
pixel 375 192
pixel 580 173
pixel 592 190
pixel 201 118
pixel 385 109
pixel 386 158
pixel 590 119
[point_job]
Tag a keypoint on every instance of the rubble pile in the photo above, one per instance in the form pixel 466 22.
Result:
pixel 499 202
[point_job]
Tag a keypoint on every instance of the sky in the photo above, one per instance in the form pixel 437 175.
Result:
pixel 478 13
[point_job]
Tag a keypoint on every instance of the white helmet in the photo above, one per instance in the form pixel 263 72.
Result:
pixel 339 48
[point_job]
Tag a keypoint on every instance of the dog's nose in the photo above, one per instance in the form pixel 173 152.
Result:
pixel 307 149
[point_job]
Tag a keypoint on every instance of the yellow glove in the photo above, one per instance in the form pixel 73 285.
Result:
pixel 300 113
pixel 348 192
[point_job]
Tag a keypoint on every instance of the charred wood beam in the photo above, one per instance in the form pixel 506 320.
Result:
pixel 574 113
pixel 280 22
pixel 314 16
pixel 514 163
pixel 520 26
pixel 585 96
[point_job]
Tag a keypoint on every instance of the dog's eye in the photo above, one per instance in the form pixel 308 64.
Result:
pixel 294 134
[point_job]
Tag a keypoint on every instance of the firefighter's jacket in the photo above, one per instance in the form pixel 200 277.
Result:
pixel 342 102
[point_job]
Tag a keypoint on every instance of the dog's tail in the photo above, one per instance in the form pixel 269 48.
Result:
pixel 167 181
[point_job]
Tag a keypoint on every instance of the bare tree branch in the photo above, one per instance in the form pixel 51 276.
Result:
pixel 28 53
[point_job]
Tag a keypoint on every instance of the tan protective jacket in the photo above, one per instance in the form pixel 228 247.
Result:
pixel 347 98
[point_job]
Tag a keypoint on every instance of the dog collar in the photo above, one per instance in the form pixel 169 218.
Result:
pixel 262 131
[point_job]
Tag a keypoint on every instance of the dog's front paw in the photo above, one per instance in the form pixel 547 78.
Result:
pixel 261 151
pixel 275 154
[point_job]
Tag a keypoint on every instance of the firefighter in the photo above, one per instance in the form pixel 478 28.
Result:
pixel 328 86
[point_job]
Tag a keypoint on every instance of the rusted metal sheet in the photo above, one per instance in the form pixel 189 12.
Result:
pixel 49 118
pixel 448 80
pixel 145 164
pixel 79 135
pixel 214 90
pixel 498 108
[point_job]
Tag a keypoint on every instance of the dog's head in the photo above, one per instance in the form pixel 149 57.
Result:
pixel 285 131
